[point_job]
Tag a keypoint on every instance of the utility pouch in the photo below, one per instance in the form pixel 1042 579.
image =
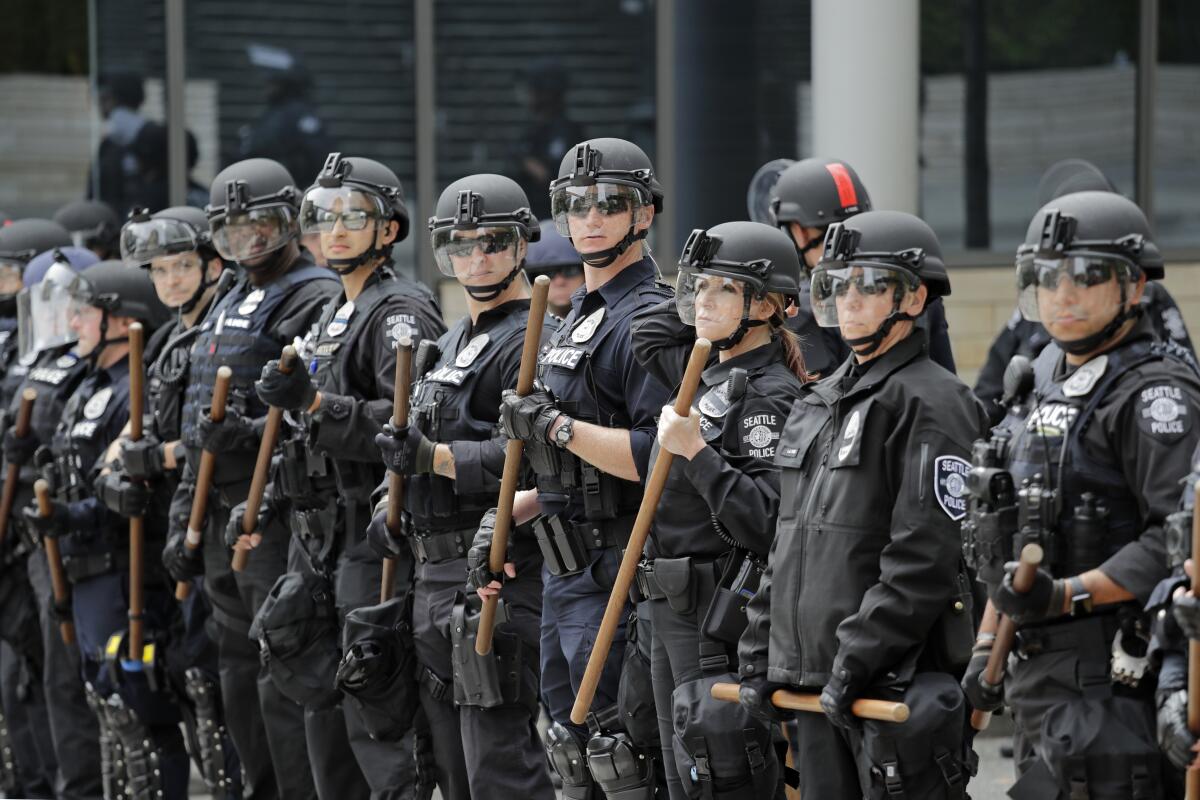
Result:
pixel 675 578
pixel 563 549
pixel 726 618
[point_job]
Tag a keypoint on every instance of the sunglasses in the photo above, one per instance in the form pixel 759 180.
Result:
pixel 1083 271
pixel 489 243
pixel 869 282
pixel 606 199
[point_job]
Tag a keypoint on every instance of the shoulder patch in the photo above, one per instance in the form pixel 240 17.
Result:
pixel 399 326
pixel 950 485
pixel 760 433
pixel 1163 412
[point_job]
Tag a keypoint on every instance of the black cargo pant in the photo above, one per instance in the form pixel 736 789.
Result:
pixel 28 724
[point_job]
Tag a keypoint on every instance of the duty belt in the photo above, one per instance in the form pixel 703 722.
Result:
pixel 647 582
pixel 88 565
pixel 441 545
pixel 1075 634
pixel 567 547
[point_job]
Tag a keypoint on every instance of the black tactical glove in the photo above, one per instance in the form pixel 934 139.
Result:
pixel 755 696
pixel 233 433
pixel 1186 609
pixel 1044 600
pixel 405 451
pixel 528 418
pixel 19 449
pixel 142 460
pixel 479 574
pixel 837 697
pixel 182 563
pixel 1174 737
pixel 294 391
pixel 59 521
pixel 120 495
pixel 381 539
pixel 233 528
pixel 983 697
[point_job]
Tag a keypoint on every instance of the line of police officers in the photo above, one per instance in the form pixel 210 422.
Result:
pixel 831 502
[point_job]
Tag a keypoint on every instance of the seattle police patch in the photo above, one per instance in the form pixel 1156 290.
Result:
pixel 1163 412
pixel 950 485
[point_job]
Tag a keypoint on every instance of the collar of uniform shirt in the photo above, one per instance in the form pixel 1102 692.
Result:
pixel 491 317
pixel 611 293
pixel 750 360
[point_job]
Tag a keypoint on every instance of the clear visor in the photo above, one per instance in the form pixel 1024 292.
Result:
pixel 44 310
pixel 149 239
pixel 248 235
pixel 714 304
pixel 578 201
pixel 477 256
pixel 1057 288
pixel 324 207
pixel 848 283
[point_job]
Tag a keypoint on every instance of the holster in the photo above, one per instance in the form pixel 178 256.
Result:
pixel 726 619
pixel 497 678
pixel 316 531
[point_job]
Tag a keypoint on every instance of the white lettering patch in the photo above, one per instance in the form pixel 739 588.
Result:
pixel 950 485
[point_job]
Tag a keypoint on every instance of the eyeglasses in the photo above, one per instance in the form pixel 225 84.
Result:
pixel 355 219
pixel 489 243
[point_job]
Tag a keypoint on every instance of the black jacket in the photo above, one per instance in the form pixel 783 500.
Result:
pixel 867 544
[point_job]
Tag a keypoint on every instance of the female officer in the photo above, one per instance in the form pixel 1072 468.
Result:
pixel 482 711
pixel 713 527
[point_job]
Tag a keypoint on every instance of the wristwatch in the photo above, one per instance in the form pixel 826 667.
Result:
pixel 565 433
pixel 1081 598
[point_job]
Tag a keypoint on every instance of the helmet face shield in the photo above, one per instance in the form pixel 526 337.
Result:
pixel 713 303
pixel 477 256
pixel 577 202
pixel 152 238
pixel 1057 286
pixel 44 310
pixel 325 206
pixel 837 283
pixel 256 232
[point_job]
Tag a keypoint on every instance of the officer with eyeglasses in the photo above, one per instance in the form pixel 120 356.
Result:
pixel 1092 456
pixel 588 431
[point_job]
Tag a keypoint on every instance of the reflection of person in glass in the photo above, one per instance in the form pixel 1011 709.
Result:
pixel 543 90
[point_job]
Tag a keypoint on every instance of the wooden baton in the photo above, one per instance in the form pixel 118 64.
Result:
pixel 512 462
pixel 262 467
pixel 637 541
pixel 863 708
pixel 402 391
pixel 1193 687
pixel 12 474
pixel 58 579
pixel 1006 631
pixel 204 476
pixel 137 528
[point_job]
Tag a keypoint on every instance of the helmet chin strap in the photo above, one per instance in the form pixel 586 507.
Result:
pixel 190 304
pixel 873 341
pixel 744 326
pixel 491 291
pixel 344 266
pixel 606 257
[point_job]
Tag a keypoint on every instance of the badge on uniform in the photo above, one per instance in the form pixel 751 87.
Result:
pixel 98 402
pixel 252 301
pixel 1085 378
pixel 1163 412
pixel 466 357
pixel 65 362
pixel 715 402
pixel 849 434
pixel 950 485
pixel 586 329
pixel 341 320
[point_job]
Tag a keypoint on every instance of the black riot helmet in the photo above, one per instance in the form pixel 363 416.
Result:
pixel 252 211
pixel 1088 238
pixel 875 252
pixel 92 224
pixel 760 259
pixel 817 192
pixel 333 197
pixel 1069 176
pixel 485 213
pixel 611 175
pixel 20 241
pixel 172 231
pixel 119 290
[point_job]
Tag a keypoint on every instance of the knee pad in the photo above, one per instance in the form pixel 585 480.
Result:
pixel 621 769
pixel 566 753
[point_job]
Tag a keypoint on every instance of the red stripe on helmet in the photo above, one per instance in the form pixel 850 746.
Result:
pixel 845 185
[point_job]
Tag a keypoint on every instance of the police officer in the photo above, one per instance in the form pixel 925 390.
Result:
pixel 48 365
pixel 865 561
pixel 810 195
pixel 713 528
pixel 329 465
pixel 588 432
pixel 277 297
pixel 130 707
pixel 1096 450
pixel 93 225
pixel 553 256
pixel 1025 337
pixel 482 710
pixel 175 248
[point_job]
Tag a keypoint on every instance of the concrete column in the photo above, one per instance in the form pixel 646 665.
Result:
pixel 866 79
